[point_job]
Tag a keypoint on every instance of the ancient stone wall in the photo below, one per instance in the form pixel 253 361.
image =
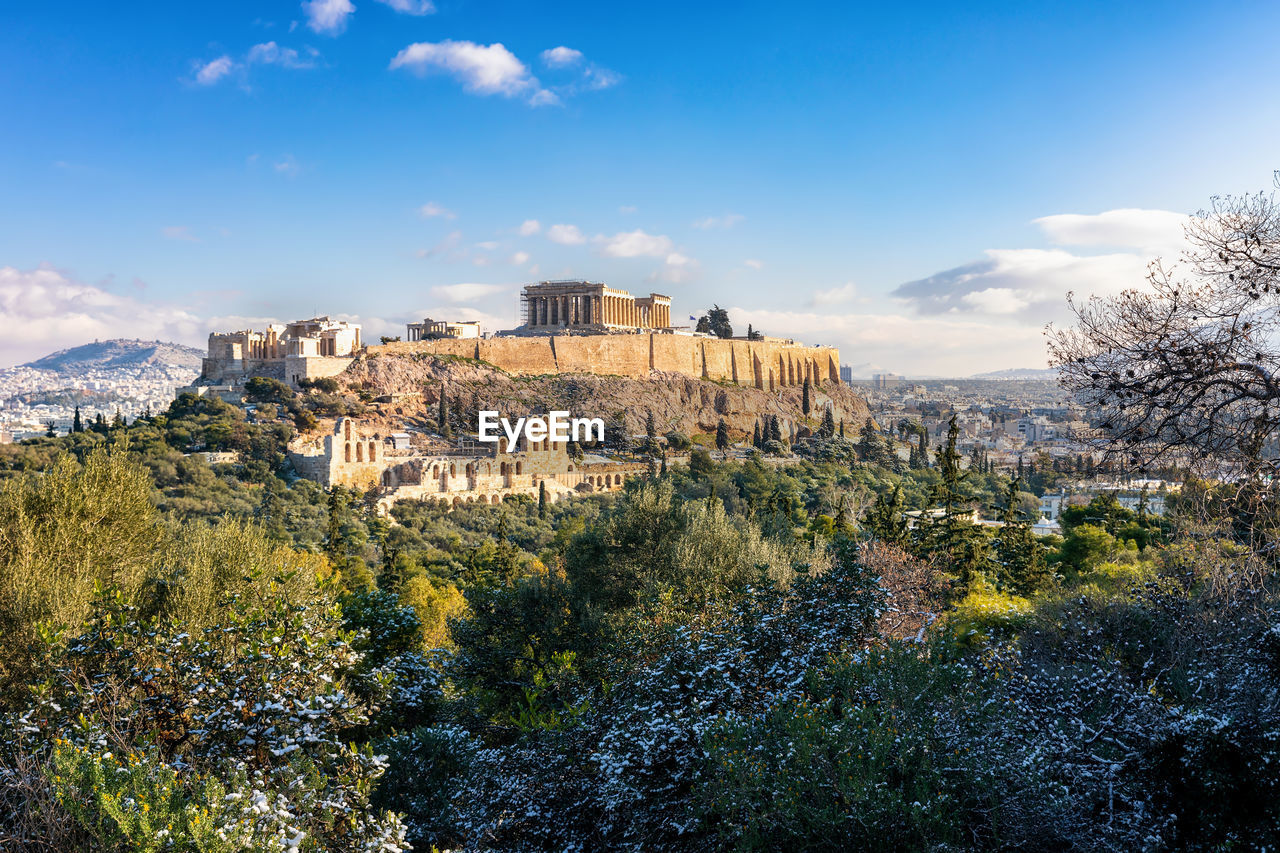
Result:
pixel 759 364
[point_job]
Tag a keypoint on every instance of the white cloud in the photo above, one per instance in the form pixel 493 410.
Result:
pixel 270 53
pixel 43 309
pixel 1029 283
pixel 529 227
pixel 328 17
pixel 753 264
pixel 634 244
pixel 1149 231
pixel 544 98
pixel 727 221
pixel 595 78
pixel 287 165
pixel 566 235
pixel 482 69
pixel 450 242
pixel 998 300
pixel 179 232
pixel 431 209
pixel 518 259
pixel 214 70
pixel 676 268
pixel 836 295
pixel 911 345
pixel 487 245
pixel 411 7
pixel 561 57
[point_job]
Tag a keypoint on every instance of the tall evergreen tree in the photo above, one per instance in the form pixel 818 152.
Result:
pixel 1023 567
pixel 963 544
pixel 886 521
pixel 722 437
pixel 335 542
pixel 805 403
pixel 775 429
pixel 542 499
pixel 442 417
pixel 76 424
pixel 828 428
pixel 755 435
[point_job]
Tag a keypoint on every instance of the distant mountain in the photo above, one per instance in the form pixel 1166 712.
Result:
pixel 105 355
pixel 1020 373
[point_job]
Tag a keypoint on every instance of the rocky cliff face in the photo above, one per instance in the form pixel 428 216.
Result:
pixel 415 381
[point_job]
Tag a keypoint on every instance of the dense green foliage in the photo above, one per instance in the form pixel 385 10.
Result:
pixel 822 653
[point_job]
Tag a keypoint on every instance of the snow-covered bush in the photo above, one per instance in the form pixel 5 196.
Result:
pixel 154 739
pixel 625 773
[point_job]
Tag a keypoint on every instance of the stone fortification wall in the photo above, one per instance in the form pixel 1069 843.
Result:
pixel 758 364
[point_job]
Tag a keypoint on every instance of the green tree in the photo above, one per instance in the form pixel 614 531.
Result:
pixel 885 520
pixel 1021 558
pixel 716 322
pixel 805 403
pixel 722 437
pixel 442 417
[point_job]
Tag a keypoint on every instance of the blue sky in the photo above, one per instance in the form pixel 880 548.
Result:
pixel 918 184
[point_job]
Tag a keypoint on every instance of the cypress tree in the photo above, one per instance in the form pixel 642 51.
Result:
pixel 76 424
pixel 542 499
pixel 755 435
pixel 828 424
pixel 443 417
pixel 804 399
pixel 722 437
pixel 885 520
pixel 1023 568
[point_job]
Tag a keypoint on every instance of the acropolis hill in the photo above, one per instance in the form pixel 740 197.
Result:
pixel 569 327
pixel 582 347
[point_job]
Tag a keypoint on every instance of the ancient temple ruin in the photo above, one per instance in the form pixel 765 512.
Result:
pixel 592 306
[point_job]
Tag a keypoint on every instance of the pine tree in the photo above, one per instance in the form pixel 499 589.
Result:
pixel 775 430
pixel 828 428
pixel 869 442
pixel 76 424
pixel 885 520
pixel 1023 568
pixel 963 544
pixel 805 404
pixel 842 525
pixel 722 437
pixel 335 544
pixel 446 431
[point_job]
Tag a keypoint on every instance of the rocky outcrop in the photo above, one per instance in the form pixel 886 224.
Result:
pixel 413 382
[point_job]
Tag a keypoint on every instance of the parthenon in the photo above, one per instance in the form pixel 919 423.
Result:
pixel 558 305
